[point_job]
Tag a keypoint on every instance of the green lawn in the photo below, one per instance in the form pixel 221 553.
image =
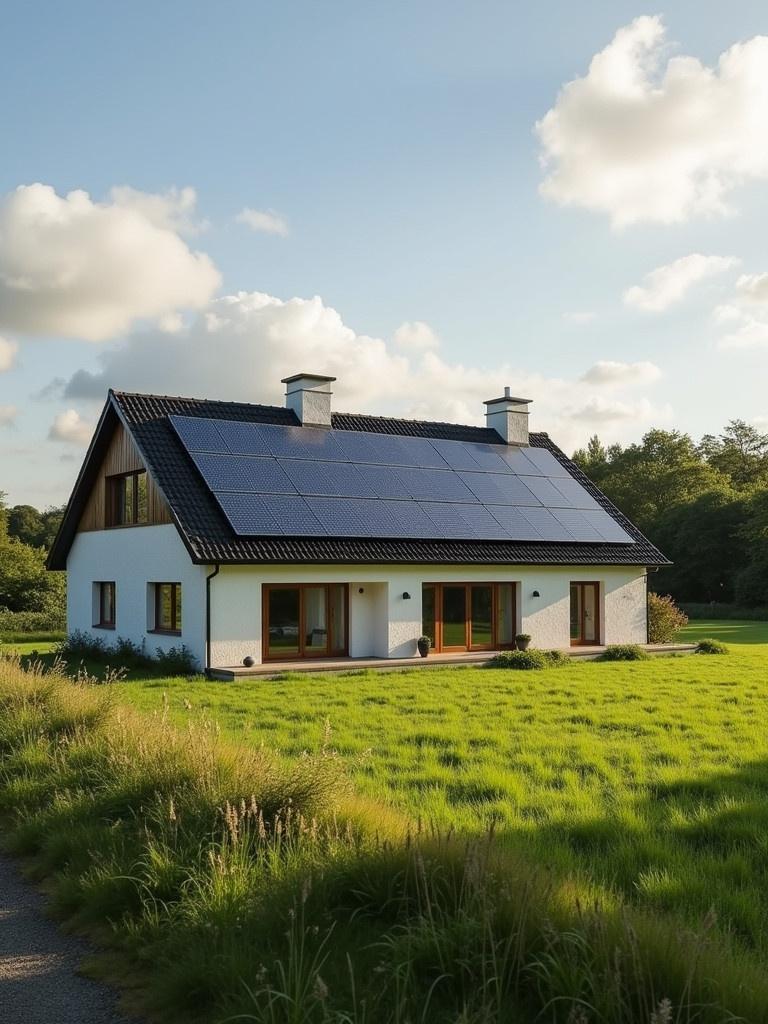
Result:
pixel 650 778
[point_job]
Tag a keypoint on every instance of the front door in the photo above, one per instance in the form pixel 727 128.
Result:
pixel 585 614
pixel 305 620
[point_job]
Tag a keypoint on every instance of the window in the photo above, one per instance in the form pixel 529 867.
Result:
pixel 104 595
pixel 127 499
pixel 469 616
pixel 168 608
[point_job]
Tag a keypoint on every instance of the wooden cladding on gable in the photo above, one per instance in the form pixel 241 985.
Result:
pixel 121 457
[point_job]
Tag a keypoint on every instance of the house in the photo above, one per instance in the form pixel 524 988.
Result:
pixel 296 532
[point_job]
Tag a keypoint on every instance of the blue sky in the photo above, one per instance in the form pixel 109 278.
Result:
pixel 396 148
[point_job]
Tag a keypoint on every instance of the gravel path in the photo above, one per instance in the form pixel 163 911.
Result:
pixel 38 964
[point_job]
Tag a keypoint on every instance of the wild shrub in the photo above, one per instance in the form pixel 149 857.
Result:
pixel 623 652
pixel 710 646
pixel 665 619
pixel 176 661
pixel 14 623
pixel 556 659
pixel 522 660
pixel 80 645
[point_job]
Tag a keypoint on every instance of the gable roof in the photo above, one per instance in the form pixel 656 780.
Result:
pixel 209 538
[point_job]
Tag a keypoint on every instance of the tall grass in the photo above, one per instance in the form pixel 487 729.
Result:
pixel 237 885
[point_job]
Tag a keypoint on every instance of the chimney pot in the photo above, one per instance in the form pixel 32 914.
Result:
pixel 508 416
pixel 309 396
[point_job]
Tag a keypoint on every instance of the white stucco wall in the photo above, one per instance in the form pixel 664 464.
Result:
pixel 384 624
pixel 133 558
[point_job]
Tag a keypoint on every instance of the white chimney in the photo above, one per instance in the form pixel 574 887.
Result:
pixel 309 395
pixel 508 416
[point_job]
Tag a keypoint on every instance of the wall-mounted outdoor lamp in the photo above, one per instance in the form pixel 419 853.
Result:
pixel 406 596
pixel 361 590
pixel 535 594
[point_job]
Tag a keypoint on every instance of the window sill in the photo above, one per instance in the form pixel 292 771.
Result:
pixel 103 625
pixel 164 632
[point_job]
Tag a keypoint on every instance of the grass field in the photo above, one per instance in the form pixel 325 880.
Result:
pixel 628 801
pixel 650 778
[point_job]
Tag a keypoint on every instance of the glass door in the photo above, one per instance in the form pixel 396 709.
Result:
pixel 481 617
pixel 585 614
pixel 454 630
pixel 305 620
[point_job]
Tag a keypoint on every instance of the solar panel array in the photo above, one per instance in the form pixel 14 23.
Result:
pixel 274 480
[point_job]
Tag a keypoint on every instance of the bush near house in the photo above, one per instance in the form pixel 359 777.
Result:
pixel 623 652
pixel 81 646
pixel 236 882
pixel 665 619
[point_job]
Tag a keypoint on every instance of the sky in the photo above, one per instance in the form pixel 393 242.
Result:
pixel 429 201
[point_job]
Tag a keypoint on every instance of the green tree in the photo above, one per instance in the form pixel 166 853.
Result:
pixel 740 452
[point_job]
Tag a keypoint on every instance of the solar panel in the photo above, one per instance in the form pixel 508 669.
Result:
pixel 332 478
pixel 546 462
pixel 301 443
pixel 547 526
pixel 435 485
pixel 486 456
pixel 547 492
pixel 384 481
pixel 577 524
pixel 198 434
pixel 257 515
pixel 303 481
pixel 354 517
pixel 499 489
pixel 242 438
pixel 454 453
pixel 607 526
pixel 577 495
pixel 514 523
pixel 242 473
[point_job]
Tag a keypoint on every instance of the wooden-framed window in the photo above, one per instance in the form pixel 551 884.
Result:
pixel 305 620
pixel 585 614
pixel 167 608
pixel 469 616
pixel 105 605
pixel 126 497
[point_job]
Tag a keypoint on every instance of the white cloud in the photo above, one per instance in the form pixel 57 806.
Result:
pixel 240 347
pixel 69 426
pixel 647 137
pixel 751 333
pixel 8 350
pixel 71 266
pixel 609 373
pixel 666 285
pixel 600 412
pixel 267 221
pixel 8 414
pixel 173 210
pixel 753 288
pixel 579 317
pixel 415 335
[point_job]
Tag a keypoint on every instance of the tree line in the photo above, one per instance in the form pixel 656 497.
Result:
pixel 704 505
pixel 26 536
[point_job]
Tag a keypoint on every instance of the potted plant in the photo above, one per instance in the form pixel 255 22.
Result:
pixel 424 643
pixel 522 641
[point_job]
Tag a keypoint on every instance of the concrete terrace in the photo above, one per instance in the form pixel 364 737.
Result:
pixel 271 669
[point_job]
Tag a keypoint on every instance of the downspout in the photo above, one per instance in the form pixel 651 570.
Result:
pixel 208 579
pixel 647 609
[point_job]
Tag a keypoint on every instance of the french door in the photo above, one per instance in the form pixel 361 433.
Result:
pixel 304 620
pixel 469 616
pixel 585 614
